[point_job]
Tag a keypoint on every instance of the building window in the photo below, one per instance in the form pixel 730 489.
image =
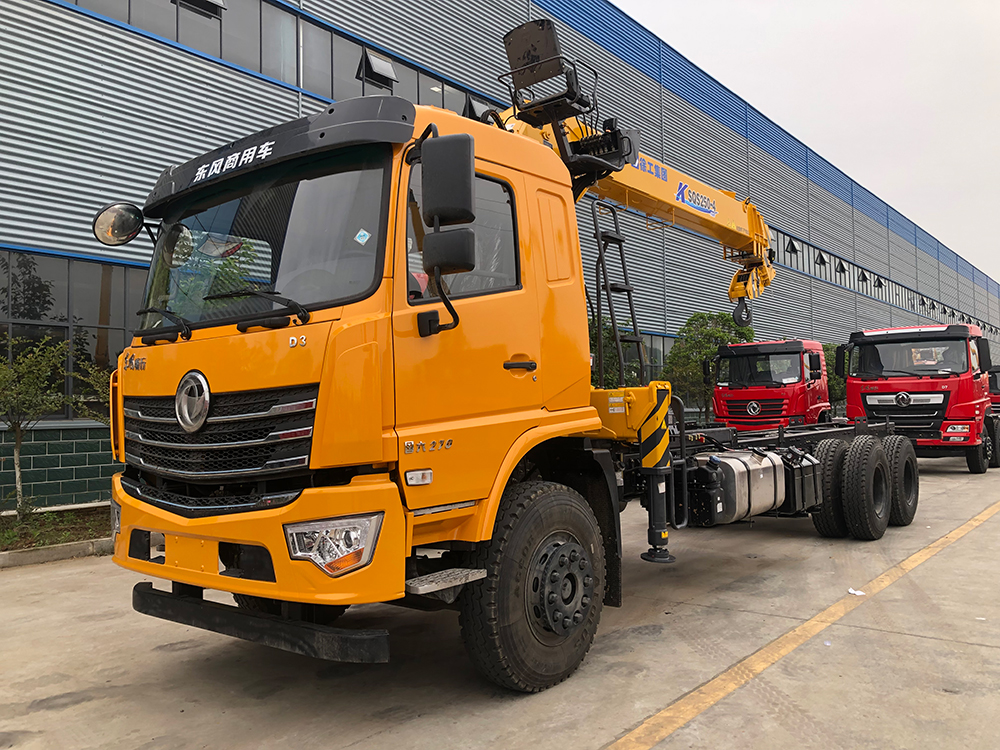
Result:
pixel 199 26
pixel 430 91
pixel 279 50
pixel 156 16
pixel 454 99
pixel 317 61
pixel 378 73
pixel 496 244
pixel 116 9
pixel 346 58
pixel 406 86
pixel 241 33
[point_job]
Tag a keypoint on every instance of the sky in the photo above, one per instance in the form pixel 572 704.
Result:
pixel 902 96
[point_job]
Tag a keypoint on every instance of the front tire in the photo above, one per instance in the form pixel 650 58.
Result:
pixel 977 458
pixel 531 621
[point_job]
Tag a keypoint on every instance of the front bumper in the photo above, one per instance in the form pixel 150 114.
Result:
pixel 317 641
pixel 191 545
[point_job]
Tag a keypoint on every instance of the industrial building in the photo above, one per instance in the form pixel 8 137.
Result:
pixel 98 96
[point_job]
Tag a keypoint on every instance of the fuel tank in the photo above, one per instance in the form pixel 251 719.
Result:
pixel 753 482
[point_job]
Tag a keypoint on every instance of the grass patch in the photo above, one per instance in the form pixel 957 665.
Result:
pixel 42 528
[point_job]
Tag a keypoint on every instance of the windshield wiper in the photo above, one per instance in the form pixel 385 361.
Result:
pixel 903 372
pixel 185 325
pixel 289 304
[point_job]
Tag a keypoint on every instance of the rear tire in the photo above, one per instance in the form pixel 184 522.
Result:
pixel 977 458
pixel 995 449
pixel 522 629
pixel 829 517
pixel 904 478
pixel 867 496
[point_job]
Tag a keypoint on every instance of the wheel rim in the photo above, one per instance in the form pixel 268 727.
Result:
pixel 909 482
pixel 879 491
pixel 988 447
pixel 560 589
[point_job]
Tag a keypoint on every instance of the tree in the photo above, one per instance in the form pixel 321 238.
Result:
pixel 697 340
pixel 836 384
pixel 94 398
pixel 31 386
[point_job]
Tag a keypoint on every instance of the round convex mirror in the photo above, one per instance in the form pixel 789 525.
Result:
pixel 118 223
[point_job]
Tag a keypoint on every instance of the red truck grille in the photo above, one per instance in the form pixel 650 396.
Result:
pixel 756 409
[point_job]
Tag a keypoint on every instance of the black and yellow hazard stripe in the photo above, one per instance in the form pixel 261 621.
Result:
pixel 654 437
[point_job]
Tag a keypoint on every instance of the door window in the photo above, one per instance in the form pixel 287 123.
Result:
pixel 496 244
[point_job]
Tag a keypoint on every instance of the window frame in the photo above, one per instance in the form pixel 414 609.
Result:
pixel 509 188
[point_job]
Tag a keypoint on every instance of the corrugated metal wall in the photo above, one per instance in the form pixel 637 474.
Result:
pixel 68 147
pixel 93 113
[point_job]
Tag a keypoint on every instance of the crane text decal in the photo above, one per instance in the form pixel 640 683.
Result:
pixel 697 201
pixel 650 167
pixel 233 161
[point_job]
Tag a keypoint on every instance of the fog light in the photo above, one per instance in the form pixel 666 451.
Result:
pixel 336 545
pixel 957 428
pixel 957 439
pixel 116 519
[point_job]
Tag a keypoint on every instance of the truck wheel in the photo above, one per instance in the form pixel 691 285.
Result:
pixel 867 497
pixel 994 449
pixel 904 479
pixel 829 517
pixel 977 458
pixel 530 622
pixel 320 614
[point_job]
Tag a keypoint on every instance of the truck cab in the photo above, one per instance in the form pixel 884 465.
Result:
pixel 770 384
pixel 932 382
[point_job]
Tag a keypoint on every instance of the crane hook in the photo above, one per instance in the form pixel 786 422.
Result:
pixel 743 315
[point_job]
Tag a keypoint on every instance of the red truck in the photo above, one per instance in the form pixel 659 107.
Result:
pixel 932 382
pixel 768 384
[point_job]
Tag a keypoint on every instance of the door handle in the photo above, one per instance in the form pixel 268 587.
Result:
pixel 520 364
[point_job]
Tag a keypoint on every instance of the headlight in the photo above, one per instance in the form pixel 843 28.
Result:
pixel 116 519
pixel 957 428
pixel 336 545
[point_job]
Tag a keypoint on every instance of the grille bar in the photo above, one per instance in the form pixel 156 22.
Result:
pixel 205 506
pixel 274 411
pixel 274 437
pixel 270 467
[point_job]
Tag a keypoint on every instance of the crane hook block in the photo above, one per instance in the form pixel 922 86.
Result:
pixel 743 315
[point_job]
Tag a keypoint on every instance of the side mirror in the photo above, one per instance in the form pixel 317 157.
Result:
pixel 815 366
pixel 117 224
pixel 841 368
pixel 985 363
pixel 706 372
pixel 450 252
pixel 447 180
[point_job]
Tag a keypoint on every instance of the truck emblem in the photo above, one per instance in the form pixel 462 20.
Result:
pixel 133 362
pixel 753 408
pixel 903 399
pixel 191 401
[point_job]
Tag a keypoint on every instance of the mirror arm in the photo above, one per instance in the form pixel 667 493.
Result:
pixel 447 302
pixel 414 153
pixel 152 237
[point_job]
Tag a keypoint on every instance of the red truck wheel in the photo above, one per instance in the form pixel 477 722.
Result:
pixel 977 458
pixel 904 479
pixel 829 517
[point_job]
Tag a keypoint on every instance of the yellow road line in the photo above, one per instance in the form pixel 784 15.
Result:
pixel 661 725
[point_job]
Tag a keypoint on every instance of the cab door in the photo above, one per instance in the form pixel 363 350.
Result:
pixel 463 396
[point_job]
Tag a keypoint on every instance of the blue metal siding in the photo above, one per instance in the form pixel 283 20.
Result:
pixel 776 141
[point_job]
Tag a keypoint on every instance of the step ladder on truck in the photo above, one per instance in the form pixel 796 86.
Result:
pixel 363 374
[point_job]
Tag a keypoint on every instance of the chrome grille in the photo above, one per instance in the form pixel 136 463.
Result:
pixel 769 408
pixel 918 417
pixel 246 434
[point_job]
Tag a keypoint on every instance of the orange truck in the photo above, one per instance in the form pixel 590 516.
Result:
pixel 363 374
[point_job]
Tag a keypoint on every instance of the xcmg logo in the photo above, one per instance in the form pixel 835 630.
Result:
pixel 697 201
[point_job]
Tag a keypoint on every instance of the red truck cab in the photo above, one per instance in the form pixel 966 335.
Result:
pixel 932 382
pixel 768 384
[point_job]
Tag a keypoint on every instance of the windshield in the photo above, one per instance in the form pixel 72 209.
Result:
pixel 909 359
pixel 315 238
pixel 760 369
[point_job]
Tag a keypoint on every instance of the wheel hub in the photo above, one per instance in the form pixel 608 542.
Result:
pixel 563 586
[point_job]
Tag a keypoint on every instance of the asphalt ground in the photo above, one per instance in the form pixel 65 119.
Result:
pixel 750 640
